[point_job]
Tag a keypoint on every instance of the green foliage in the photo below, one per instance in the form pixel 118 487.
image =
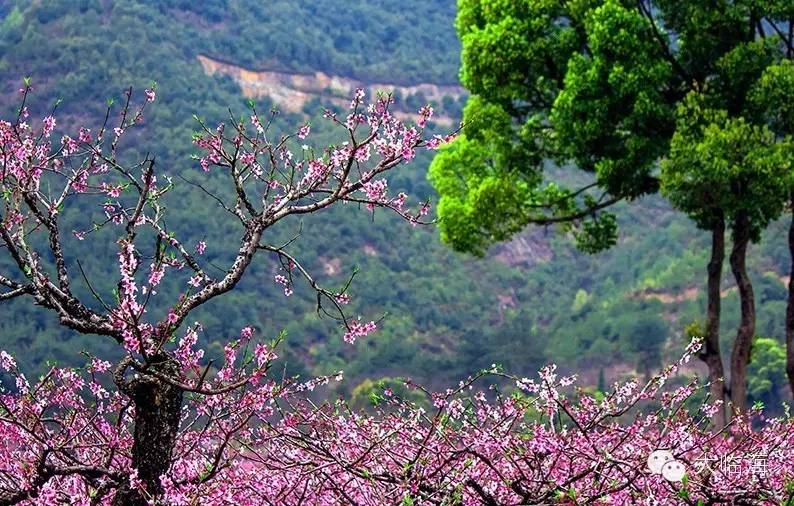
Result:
pixel 538 94
pixel 370 393
pixel 646 337
pixel 719 163
pixel 448 315
pixel 597 233
pixel 614 88
pixel 610 115
pixel 481 206
pixel 770 97
pixel 767 371
pixel 358 38
pixel 625 98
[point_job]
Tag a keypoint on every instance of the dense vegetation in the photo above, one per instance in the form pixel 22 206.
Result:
pixel 682 97
pixel 361 39
pixel 448 314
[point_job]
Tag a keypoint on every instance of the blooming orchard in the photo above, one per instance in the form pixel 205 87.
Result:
pixel 164 425
pixel 264 443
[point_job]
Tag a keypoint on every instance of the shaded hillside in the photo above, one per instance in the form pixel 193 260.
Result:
pixel 531 301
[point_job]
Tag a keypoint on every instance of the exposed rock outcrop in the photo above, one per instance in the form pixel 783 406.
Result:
pixel 526 249
pixel 292 91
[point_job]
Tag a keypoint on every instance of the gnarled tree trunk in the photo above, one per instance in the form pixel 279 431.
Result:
pixel 157 410
pixel 710 353
pixel 740 356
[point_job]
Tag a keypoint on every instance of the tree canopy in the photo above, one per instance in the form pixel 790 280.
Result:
pixel 597 86
pixel 614 89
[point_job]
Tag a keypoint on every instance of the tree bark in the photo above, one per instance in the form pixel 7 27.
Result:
pixel 790 307
pixel 157 410
pixel 740 356
pixel 710 353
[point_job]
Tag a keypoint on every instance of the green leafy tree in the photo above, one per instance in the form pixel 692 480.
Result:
pixel 726 168
pixel 601 87
pixel 771 100
pixel 646 337
pixel 766 376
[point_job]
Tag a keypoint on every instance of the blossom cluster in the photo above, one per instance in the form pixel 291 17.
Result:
pixel 72 436
pixel 272 180
pixel 268 443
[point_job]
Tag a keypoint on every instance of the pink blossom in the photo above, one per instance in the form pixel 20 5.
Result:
pixel 49 126
pixel 425 113
pixel 358 98
pixel 282 280
pixel 196 280
pixel 357 329
pixel 303 132
pixel 434 143
pixel 112 191
pixel 155 275
pixel 69 145
pixel 101 168
pixel 375 190
pixel 85 135
pixel 7 362
pixel 263 354
pixel 257 124
pixel 248 158
pixel 99 366
pixel 80 182
pixel 316 173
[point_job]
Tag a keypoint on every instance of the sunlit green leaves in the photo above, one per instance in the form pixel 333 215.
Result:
pixel 718 162
pixel 607 85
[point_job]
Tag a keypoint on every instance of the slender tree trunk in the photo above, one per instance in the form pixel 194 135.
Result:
pixel 744 336
pixel 157 410
pixel 790 307
pixel 711 346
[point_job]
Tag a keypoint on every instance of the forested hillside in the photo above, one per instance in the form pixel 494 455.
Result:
pixel 532 301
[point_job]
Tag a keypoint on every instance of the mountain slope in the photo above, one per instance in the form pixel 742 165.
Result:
pixel 528 302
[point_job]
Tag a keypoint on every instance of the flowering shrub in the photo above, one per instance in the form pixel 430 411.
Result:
pixel 67 439
pixel 164 425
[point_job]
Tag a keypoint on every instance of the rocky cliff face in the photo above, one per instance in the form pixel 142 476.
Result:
pixel 292 91
pixel 525 249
